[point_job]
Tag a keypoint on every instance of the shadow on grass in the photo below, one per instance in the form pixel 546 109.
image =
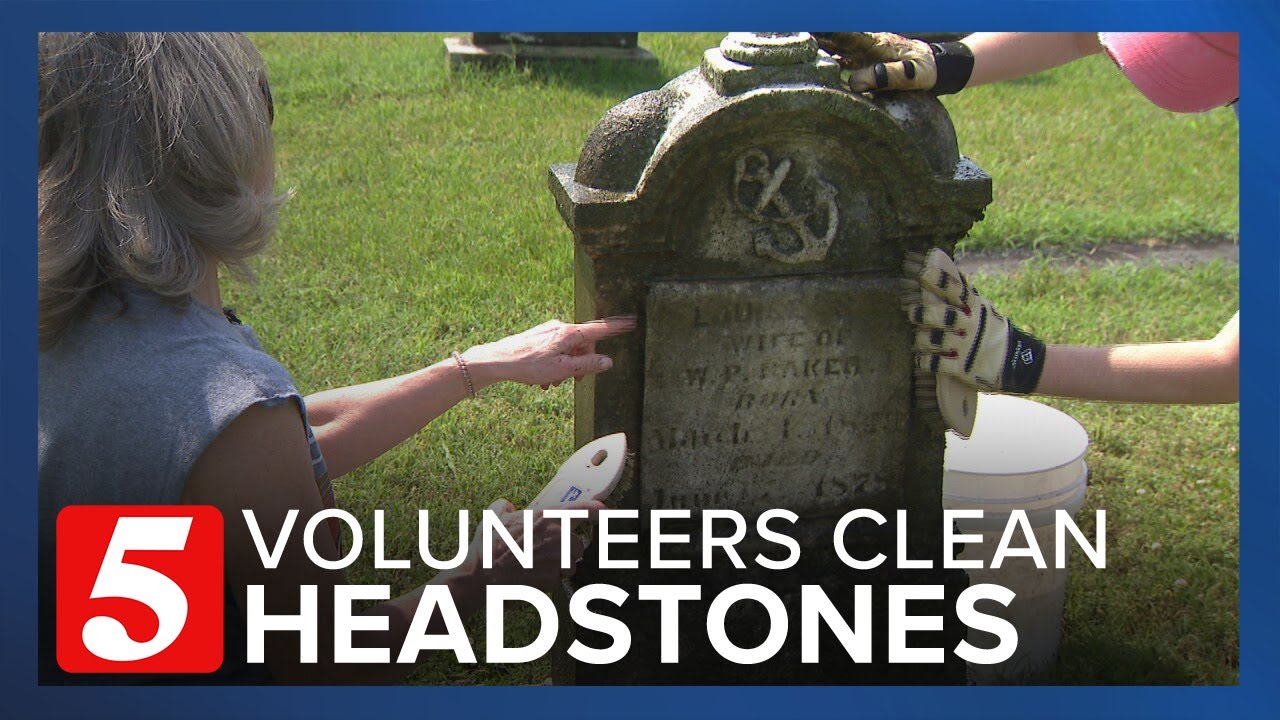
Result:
pixel 1037 80
pixel 605 78
pixel 1090 659
pixel 1138 632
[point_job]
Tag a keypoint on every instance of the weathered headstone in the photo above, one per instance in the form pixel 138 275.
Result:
pixel 754 215
pixel 524 48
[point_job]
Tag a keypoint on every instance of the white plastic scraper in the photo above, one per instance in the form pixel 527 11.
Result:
pixel 592 473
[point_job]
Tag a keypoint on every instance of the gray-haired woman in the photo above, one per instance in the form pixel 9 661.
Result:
pixel 155 169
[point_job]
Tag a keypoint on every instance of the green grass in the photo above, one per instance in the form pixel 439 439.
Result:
pixel 1168 477
pixel 1078 156
pixel 422 223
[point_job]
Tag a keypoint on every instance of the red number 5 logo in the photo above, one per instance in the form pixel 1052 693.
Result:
pixel 139 589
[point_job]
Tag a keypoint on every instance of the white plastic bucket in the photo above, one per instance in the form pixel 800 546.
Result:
pixel 1021 456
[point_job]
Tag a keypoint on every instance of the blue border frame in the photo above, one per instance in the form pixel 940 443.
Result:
pixel 1259 23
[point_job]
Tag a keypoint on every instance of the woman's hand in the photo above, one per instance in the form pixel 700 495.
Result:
pixel 357 424
pixel 881 61
pixel 887 61
pixel 546 355
pixel 546 570
pixel 959 333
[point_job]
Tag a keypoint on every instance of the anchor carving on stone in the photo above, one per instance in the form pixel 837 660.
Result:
pixel 770 205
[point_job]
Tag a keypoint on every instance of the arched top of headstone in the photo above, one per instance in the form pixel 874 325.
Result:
pixel 621 145
pixel 767 115
pixel 625 141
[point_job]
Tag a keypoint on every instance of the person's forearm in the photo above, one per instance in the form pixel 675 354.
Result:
pixel 356 424
pixel 1005 56
pixel 1203 371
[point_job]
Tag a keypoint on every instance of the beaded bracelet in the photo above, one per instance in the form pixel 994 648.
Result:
pixel 466 374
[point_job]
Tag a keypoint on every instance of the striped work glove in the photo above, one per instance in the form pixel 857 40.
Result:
pixel 885 61
pixel 959 333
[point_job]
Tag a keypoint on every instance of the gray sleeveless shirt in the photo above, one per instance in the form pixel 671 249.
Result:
pixel 128 403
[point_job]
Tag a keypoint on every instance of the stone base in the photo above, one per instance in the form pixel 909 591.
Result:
pixel 558 39
pixel 462 51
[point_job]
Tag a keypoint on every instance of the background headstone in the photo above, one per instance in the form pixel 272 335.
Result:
pixel 755 216
pixel 525 48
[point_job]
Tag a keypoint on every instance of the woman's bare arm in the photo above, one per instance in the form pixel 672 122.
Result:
pixel 261 462
pixel 1005 56
pixel 1200 371
pixel 356 424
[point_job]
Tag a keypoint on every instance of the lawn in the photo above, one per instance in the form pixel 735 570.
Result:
pixel 1079 156
pixel 422 224
pixel 1168 477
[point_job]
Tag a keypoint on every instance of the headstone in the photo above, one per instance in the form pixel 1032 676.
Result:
pixel 524 48
pixel 754 215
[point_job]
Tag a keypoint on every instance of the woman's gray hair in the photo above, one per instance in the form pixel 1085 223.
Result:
pixel 155 155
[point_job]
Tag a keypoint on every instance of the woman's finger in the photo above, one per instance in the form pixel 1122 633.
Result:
pixel 936 340
pixel 603 328
pixel 586 348
pixel 939 363
pixel 941 277
pixel 575 365
pixel 593 508
pixel 933 312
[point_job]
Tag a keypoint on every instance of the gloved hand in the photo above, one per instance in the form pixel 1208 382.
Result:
pixel 885 61
pixel 959 332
